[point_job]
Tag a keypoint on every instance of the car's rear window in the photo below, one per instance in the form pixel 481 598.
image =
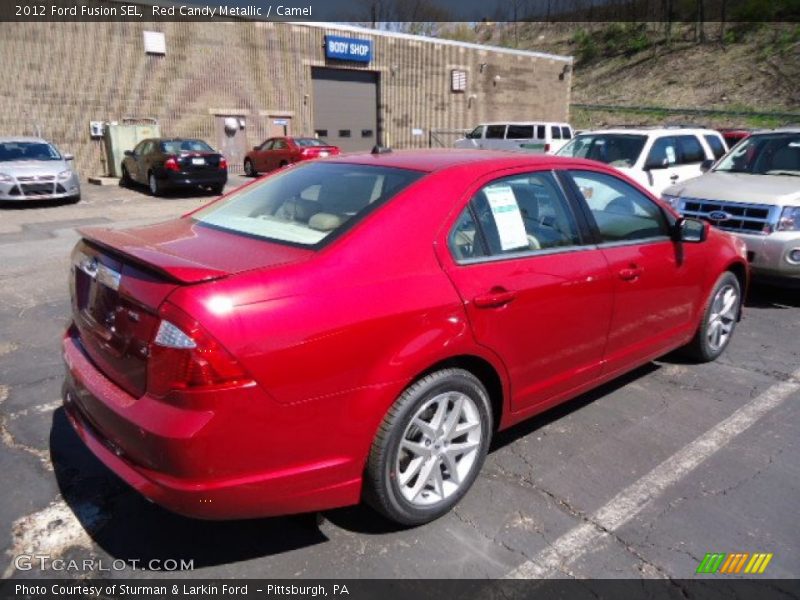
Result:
pixel 309 142
pixel 307 204
pixel 178 146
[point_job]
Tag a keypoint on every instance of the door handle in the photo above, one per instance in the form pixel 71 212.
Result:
pixel 495 298
pixel 632 273
pixel 673 177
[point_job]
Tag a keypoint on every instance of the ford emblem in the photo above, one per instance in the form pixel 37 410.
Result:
pixel 718 215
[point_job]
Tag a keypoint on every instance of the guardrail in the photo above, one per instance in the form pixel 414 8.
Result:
pixel 686 111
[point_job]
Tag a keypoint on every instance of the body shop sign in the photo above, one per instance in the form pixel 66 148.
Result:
pixel 342 48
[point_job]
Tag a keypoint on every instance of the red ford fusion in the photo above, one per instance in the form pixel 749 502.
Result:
pixel 276 153
pixel 360 327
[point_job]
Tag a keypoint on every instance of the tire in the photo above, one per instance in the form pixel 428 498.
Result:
pixel 719 320
pixel 416 501
pixel 74 199
pixel 217 189
pixel 125 179
pixel 155 187
pixel 282 164
pixel 249 169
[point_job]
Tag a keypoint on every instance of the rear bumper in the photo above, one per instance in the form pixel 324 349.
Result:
pixel 173 179
pixel 171 454
pixel 769 255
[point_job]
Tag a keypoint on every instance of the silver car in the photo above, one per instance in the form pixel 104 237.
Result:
pixel 34 169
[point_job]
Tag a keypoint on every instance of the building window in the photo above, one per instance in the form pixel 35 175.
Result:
pixel 321 133
pixel 458 80
pixel 344 133
pixel 366 133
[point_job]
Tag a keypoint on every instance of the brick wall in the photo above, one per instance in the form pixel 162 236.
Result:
pixel 60 76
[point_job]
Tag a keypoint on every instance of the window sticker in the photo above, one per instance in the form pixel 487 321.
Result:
pixel 507 217
pixel 670 150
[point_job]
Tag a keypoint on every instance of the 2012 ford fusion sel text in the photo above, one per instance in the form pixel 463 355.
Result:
pixel 359 327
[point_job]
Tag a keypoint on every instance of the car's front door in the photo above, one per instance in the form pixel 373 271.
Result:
pixel 279 156
pixel 662 164
pixel 534 292
pixel 260 155
pixel 657 280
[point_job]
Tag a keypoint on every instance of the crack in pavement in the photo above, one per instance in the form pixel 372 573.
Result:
pixel 8 439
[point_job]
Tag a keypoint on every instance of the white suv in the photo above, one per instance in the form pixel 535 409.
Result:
pixel 654 157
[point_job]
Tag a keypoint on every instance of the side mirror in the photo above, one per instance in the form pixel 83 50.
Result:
pixel 706 165
pixel 654 163
pixel 128 152
pixel 69 157
pixel 692 231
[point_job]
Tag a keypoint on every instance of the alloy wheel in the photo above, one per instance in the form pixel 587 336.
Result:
pixel 722 318
pixel 438 449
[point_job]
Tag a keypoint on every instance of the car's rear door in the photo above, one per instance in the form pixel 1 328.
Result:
pixel 657 281
pixel 535 293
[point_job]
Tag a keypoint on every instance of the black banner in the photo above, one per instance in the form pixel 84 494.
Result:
pixel 374 12
pixel 712 588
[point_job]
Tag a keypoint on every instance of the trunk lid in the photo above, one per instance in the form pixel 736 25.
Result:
pixel 120 278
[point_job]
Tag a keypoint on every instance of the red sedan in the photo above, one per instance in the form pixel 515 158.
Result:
pixel 360 327
pixel 278 152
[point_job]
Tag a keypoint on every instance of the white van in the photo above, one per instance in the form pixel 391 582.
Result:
pixel 540 137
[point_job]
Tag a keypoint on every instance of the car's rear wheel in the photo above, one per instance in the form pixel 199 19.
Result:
pixel 155 187
pixel 719 320
pixel 217 189
pixel 249 168
pixel 282 164
pixel 430 447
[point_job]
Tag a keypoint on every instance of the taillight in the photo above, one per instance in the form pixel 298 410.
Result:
pixel 184 356
pixel 171 164
pixel 547 147
pixel 223 163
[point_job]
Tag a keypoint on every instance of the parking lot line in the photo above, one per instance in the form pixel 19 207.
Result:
pixel 635 498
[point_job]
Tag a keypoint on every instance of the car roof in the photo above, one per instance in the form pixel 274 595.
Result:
pixel 433 160
pixel 651 130
pixel 22 138
pixel 526 123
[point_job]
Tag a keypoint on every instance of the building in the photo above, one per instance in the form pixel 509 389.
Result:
pixel 354 86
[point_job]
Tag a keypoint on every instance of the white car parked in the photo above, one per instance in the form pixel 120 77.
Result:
pixel 655 157
pixel 538 137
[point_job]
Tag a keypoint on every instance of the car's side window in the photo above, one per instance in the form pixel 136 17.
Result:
pixel 691 150
pixel 147 148
pixel 139 148
pixel 716 145
pixel 520 213
pixel 663 152
pixel 267 145
pixel 279 145
pixel 555 132
pixel 620 211
pixel 495 132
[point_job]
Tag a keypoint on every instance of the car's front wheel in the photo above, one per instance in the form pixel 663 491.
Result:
pixel 430 447
pixel 719 319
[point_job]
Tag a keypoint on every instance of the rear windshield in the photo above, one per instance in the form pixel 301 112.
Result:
pixel 306 204
pixel 309 142
pixel 178 146
pixel 615 149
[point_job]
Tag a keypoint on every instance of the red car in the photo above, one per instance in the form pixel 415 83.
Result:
pixel 360 327
pixel 734 136
pixel 281 151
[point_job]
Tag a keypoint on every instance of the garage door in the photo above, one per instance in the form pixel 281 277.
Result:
pixel 346 107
